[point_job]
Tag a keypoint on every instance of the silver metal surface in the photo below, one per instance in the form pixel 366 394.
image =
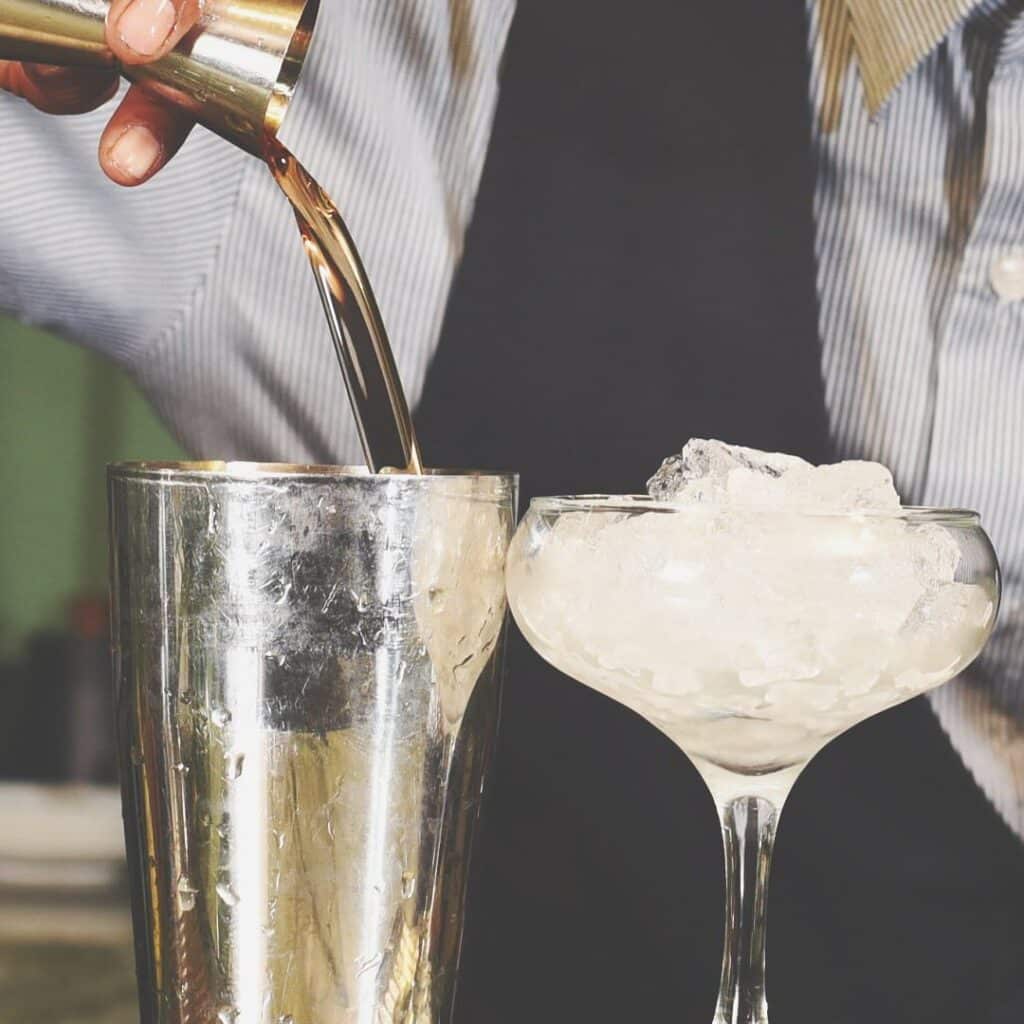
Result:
pixel 307 665
pixel 234 72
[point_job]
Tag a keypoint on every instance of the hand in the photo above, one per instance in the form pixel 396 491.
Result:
pixel 143 133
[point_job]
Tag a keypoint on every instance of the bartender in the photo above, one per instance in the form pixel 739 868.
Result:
pixel 596 231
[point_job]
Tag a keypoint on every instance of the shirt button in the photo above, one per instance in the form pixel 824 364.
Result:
pixel 1007 276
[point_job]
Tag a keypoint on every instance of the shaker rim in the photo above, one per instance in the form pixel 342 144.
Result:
pixel 216 469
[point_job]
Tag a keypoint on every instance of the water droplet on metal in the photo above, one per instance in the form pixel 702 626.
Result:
pixel 181 768
pixel 368 963
pixel 227 1015
pixel 408 883
pixel 220 717
pixel 227 894
pixel 186 893
pixel 329 600
pixel 234 765
pixel 286 1018
pixel 224 828
pixel 437 597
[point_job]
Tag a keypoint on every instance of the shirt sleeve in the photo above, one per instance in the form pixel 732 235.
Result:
pixel 197 284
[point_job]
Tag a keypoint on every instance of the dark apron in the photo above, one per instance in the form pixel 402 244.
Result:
pixel 640 270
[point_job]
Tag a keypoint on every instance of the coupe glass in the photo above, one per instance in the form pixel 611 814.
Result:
pixel 751 637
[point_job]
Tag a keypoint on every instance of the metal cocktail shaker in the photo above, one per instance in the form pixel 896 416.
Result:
pixel 307 667
pixel 235 72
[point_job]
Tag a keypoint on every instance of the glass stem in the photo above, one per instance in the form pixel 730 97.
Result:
pixel 748 831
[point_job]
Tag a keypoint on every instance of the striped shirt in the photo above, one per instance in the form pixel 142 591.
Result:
pixel 198 289
pixel 196 282
pixel 918 140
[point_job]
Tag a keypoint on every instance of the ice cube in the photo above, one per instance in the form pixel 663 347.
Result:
pixel 749 487
pixel 843 486
pixel 935 553
pixel 806 696
pixel 857 680
pixel 675 681
pixel 952 607
pixel 702 470
pixel 712 471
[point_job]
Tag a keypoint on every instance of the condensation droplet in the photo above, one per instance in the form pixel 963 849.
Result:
pixel 181 768
pixel 408 883
pixel 186 893
pixel 234 765
pixel 227 1015
pixel 286 1018
pixel 329 599
pixel 224 829
pixel 220 716
pixel 437 597
pixel 227 894
pixel 364 964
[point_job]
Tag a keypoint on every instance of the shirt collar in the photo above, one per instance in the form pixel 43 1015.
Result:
pixel 891 37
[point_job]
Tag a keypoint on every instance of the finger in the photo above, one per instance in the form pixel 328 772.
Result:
pixel 58 90
pixel 141 137
pixel 139 31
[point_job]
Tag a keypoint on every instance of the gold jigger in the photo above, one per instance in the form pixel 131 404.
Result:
pixel 234 72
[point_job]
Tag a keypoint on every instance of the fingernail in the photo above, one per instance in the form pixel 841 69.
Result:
pixel 135 152
pixel 144 25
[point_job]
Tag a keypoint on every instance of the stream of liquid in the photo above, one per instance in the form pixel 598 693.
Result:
pixel 360 340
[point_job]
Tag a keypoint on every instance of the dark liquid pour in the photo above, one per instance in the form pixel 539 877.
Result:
pixel 360 341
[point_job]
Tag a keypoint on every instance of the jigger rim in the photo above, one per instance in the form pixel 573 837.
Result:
pixel 240 470
pixel 291 67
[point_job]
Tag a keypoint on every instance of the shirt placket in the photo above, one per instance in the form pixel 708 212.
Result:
pixel 978 424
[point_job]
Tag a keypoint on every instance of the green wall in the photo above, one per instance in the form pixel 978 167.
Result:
pixel 64 414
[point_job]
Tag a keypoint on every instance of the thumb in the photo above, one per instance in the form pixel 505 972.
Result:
pixel 140 31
